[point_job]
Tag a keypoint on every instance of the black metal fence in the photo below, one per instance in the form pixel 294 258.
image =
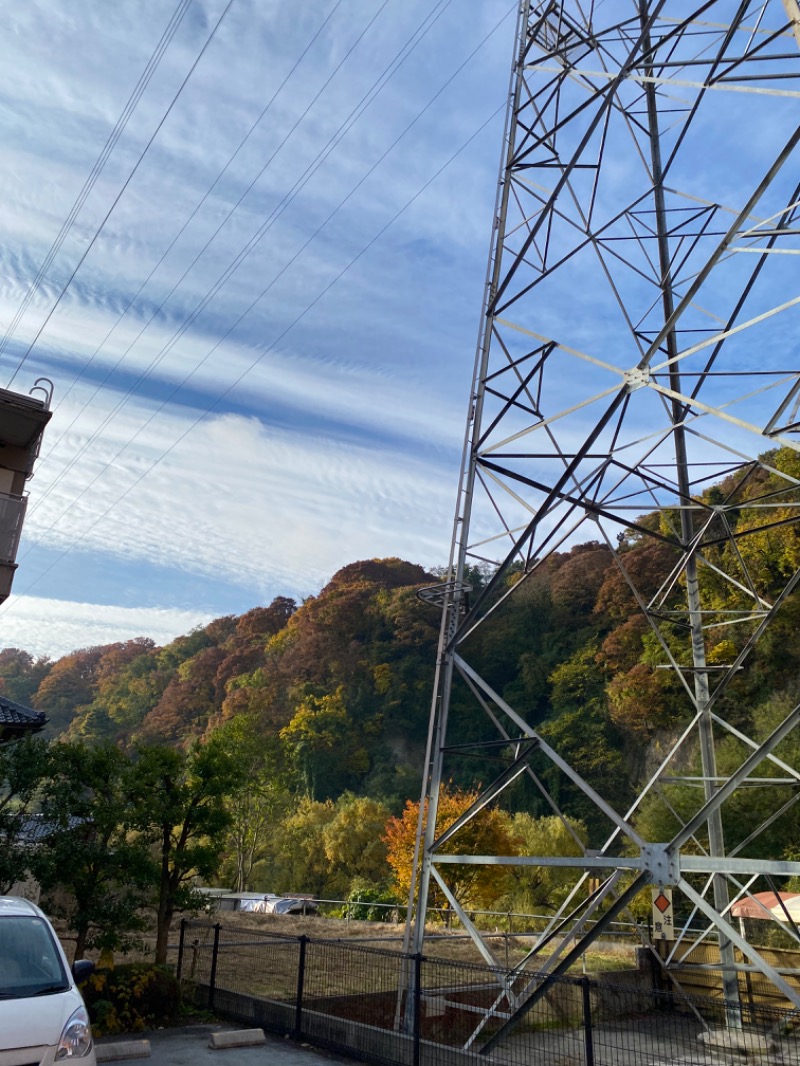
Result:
pixel 408 1010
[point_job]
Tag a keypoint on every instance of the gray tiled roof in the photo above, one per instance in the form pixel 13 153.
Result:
pixel 36 828
pixel 16 720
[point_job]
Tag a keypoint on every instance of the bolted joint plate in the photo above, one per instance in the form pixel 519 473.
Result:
pixel 662 864
pixel 637 378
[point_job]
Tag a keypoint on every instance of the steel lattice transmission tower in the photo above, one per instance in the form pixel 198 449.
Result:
pixel 636 381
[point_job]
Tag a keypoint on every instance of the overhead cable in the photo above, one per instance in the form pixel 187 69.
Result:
pixel 121 192
pixel 8 605
pixel 187 222
pixel 233 266
pixel 359 109
pixel 99 165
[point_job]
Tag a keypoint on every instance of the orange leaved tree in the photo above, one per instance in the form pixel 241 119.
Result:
pixel 490 832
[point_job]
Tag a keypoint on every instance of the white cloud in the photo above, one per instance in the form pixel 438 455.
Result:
pixel 237 500
pixel 55 627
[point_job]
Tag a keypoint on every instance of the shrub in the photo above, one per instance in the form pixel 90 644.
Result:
pixel 361 903
pixel 131 998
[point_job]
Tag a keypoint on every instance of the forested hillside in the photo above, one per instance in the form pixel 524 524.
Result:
pixel 326 703
pixel 342 682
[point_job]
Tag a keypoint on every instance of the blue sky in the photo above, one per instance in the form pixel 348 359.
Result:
pixel 260 324
pixel 213 446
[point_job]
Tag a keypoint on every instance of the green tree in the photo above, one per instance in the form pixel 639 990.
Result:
pixel 582 733
pixel 23 767
pixel 534 889
pixel 353 843
pixel 256 807
pixel 179 807
pixel 662 813
pixel 324 847
pixel 325 746
pixel 296 859
pixel 94 873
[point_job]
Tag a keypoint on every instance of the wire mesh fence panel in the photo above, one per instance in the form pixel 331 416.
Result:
pixel 638 1025
pixel 630 1024
pixel 257 964
pixel 350 1001
pixel 360 984
pixel 265 968
pixel 197 939
pixel 454 998
pixel 465 1006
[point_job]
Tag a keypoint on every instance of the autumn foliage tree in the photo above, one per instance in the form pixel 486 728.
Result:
pixel 340 685
pixel 636 699
pixel 490 832
pixel 69 685
pixel 21 675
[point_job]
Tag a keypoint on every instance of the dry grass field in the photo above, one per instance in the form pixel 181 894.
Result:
pixel 245 948
pixel 447 946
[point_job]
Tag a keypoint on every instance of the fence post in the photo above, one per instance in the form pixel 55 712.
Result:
pixel 179 965
pixel 587 1020
pixel 301 978
pixel 212 981
pixel 417 1005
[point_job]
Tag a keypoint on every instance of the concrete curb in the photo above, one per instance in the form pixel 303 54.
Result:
pixel 237 1038
pixel 123 1049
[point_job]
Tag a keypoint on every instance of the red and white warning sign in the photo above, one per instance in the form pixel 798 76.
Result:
pixel 663 928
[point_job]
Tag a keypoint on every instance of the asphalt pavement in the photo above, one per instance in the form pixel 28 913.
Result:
pixel 189 1046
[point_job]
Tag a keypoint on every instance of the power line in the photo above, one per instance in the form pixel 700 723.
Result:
pixel 204 414
pixel 190 218
pixel 99 164
pixel 121 192
pixel 230 270
pixel 356 111
pixel 264 291
pixel 253 242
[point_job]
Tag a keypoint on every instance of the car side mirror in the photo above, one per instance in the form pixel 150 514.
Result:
pixel 81 969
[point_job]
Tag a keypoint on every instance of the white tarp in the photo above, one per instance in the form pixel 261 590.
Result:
pixel 277 905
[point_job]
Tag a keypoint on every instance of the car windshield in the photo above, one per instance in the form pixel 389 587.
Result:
pixel 30 964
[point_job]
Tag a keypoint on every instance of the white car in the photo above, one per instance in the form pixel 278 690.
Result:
pixel 43 1019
